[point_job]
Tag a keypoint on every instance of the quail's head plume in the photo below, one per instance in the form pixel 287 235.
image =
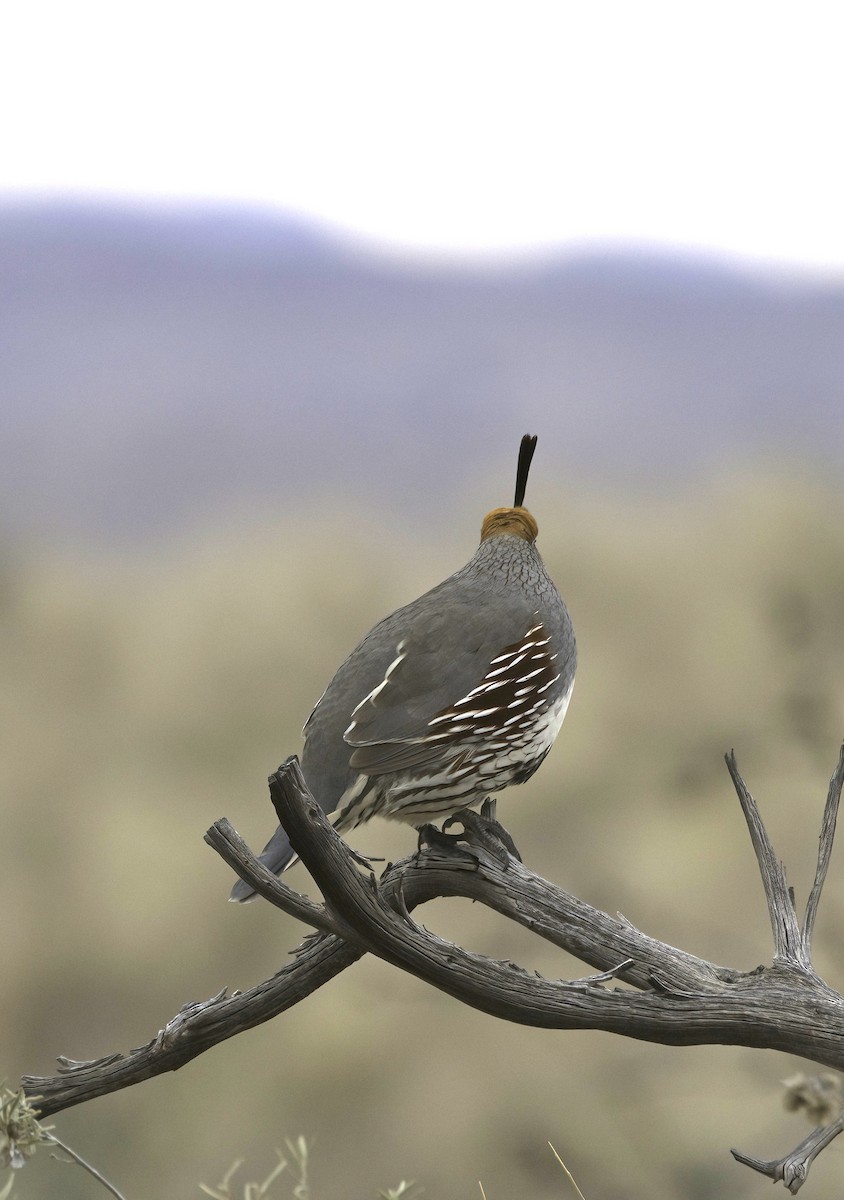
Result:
pixel 449 699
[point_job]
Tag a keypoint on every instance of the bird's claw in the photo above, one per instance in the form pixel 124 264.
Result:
pixel 432 835
pixel 486 831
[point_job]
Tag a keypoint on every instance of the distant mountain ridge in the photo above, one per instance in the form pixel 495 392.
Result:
pixel 158 362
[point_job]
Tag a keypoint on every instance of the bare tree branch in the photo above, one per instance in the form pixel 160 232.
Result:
pixel 670 996
pixel 793 1169
pixel 788 943
pixel 195 1028
pixel 830 816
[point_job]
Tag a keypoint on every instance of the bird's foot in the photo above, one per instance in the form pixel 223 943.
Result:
pixel 481 831
pixel 486 831
pixel 432 835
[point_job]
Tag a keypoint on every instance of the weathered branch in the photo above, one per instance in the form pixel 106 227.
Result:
pixel 436 871
pixel 827 835
pixel 788 942
pixel 793 1169
pixel 672 997
pixel 691 1002
pixel 195 1028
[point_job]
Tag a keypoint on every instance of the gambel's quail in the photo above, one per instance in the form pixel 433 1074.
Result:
pixel 449 699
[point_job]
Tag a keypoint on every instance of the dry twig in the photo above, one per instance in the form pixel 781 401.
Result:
pixel 675 998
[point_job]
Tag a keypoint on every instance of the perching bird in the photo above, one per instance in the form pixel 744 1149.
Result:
pixel 449 699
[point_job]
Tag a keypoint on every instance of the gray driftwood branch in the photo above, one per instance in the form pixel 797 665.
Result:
pixel 672 997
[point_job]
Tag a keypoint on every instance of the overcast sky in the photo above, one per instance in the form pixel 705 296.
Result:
pixel 456 126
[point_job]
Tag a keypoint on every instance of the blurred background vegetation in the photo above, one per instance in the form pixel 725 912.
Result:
pixel 146 695
pixel 157 667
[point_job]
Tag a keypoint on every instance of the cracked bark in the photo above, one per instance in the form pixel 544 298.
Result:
pixel 672 996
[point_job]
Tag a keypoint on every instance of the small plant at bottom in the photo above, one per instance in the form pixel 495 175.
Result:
pixel 406 1190
pixel 21 1133
pixel 294 1162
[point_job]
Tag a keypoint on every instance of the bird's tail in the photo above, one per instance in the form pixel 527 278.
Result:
pixel 277 856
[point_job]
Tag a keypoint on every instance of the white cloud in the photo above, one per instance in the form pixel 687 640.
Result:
pixel 473 125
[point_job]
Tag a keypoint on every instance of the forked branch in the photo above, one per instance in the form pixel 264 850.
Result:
pixel 827 836
pixel 788 942
pixel 793 1169
pixel 672 996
